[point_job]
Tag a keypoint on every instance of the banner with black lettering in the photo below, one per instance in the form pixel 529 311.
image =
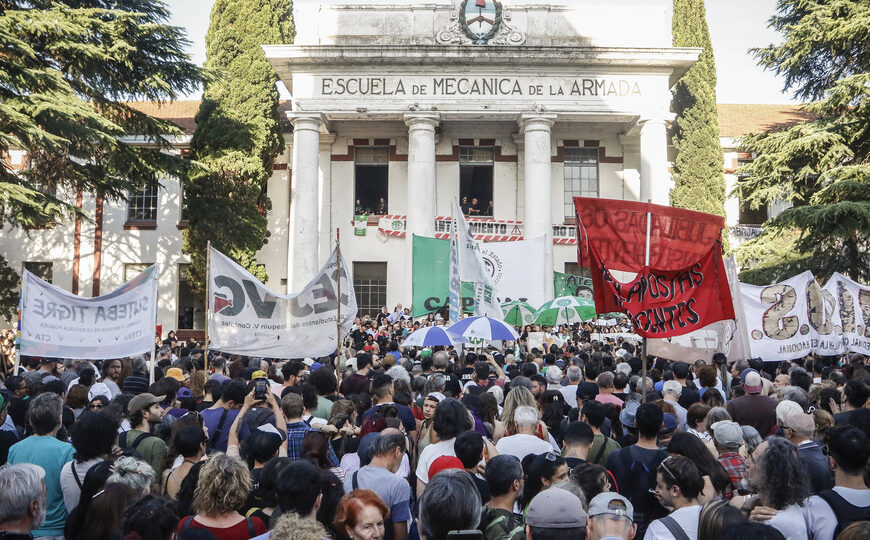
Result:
pixel 665 303
pixel 249 319
pixel 59 324
pixel 798 316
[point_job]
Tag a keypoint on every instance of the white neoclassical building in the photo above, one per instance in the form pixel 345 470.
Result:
pixel 399 107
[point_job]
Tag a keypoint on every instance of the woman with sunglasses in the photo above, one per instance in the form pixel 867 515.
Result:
pixel 542 471
pixel 98 403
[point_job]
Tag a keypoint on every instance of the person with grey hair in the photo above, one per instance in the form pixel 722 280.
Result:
pixel 450 502
pixel 574 375
pixel 398 372
pixel 133 473
pixel 380 476
pixel 43 449
pixel 554 378
pixel 22 500
pixel 137 382
pixel 799 429
pixel 452 386
pixel 610 516
pixel 779 477
pixel 605 389
pixel 524 442
pixel 671 391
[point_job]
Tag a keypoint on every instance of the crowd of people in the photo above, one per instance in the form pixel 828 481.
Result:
pixel 564 442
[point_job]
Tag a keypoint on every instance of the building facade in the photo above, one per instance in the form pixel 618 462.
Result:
pixel 398 108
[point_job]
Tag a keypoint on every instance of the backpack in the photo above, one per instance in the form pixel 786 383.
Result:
pixel 639 479
pixel 845 511
pixel 389 533
pixel 131 449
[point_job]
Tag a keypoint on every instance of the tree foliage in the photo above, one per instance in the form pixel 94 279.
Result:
pixel 238 134
pixel 821 165
pixel 699 183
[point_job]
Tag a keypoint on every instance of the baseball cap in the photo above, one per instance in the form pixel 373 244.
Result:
pixel 727 433
pixel 628 414
pixel 175 373
pixel 314 367
pixel 143 401
pixel 556 509
pixel 184 393
pixel 752 384
pixel 611 503
pixel 669 424
pixel 99 389
pixel 259 374
pixel 443 463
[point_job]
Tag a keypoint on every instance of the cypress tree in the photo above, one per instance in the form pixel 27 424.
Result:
pixel 699 182
pixel 238 134
pixel 821 165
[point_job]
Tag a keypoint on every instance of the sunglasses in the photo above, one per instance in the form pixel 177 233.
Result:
pixel 664 466
pixel 550 456
pixel 93 406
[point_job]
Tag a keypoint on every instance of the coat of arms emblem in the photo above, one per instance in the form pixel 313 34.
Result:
pixel 480 19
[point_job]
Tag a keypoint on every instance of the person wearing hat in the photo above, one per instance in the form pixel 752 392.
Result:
pixel 176 373
pixel 753 409
pixel 728 438
pixel 145 411
pixel 611 516
pixel 555 513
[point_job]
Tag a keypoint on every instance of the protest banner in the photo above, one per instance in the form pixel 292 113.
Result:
pixel 797 317
pixel 514 276
pixel 247 318
pixel 60 324
pixel 471 268
pixel 681 283
pixel 360 224
pixel 571 285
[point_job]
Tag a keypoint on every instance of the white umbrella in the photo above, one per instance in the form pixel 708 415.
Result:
pixel 484 328
pixel 430 336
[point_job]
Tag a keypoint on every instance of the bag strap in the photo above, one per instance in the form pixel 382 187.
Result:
pixel 185 525
pixel 676 531
pixel 75 474
pixel 215 437
pixel 252 532
pixel 354 482
pixel 139 439
pixel 122 440
pixel 601 450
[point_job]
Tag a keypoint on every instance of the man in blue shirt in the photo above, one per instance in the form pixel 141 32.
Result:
pixel 44 450
pixel 293 407
pixel 220 416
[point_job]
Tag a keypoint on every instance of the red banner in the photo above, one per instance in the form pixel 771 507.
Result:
pixel 617 229
pixel 666 303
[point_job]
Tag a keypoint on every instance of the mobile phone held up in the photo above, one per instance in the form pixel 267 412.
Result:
pixel 261 386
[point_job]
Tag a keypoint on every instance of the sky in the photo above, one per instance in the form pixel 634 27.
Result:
pixel 735 27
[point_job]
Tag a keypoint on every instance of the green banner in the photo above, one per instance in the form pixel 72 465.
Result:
pixel 430 277
pixel 571 285
pixel 360 224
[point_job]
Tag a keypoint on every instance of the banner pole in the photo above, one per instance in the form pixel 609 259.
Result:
pixel 207 303
pixel 18 328
pixel 338 304
pixel 643 343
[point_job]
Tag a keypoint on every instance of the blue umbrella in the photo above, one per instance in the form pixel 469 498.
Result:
pixel 484 328
pixel 432 335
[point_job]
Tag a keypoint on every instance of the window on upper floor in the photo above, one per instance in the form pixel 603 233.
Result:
pixel 142 204
pixel 42 270
pixel 581 176
pixel 371 180
pixel 476 170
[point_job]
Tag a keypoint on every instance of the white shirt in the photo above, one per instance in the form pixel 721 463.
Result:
pixel 430 454
pixel 69 486
pixel 570 394
pixel 790 522
pixel 820 518
pixel 521 445
pixel 687 518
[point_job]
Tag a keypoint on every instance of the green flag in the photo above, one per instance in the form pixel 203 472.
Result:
pixel 430 277
pixel 571 285
pixel 360 223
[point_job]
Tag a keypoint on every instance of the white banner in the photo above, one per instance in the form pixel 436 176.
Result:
pixel 59 324
pixel 514 272
pixel 797 317
pixel 249 319
pixel 473 269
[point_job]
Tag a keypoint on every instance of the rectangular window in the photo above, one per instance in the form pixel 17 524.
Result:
pixel 475 180
pixel 42 270
pixel 191 304
pixel 371 179
pixel 581 176
pixel 370 285
pixel 749 215
pixel 132 270
pixel 142 205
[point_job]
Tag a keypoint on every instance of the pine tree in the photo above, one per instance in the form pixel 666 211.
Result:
pixel 699 183
pixel 66 71
pixel 238 134
pixel 821 165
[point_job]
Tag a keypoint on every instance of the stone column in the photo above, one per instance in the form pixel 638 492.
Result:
pixel 421 185
pixel 654 181
pixel 303 255
pixel 538 215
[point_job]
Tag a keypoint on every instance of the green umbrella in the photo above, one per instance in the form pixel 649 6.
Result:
pixel 565 310
pixel 518 313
